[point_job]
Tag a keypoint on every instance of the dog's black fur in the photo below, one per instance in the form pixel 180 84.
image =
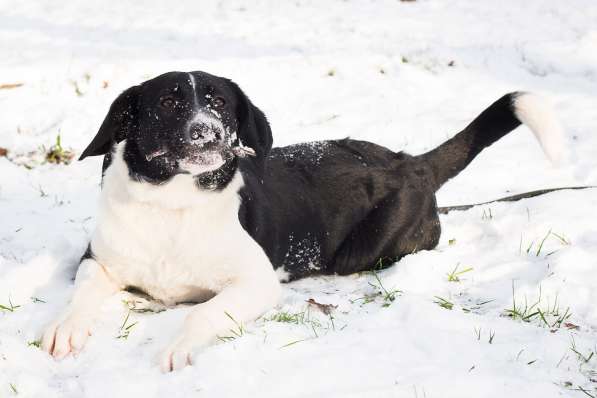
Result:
pixel 331 207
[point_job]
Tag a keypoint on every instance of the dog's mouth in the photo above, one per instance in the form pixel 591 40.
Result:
pixel 195 159
pixel 199 162
pixel 157 153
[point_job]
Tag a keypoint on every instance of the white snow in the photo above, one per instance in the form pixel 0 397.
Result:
pixel 406 75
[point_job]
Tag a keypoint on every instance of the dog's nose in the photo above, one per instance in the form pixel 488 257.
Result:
pixel 203 133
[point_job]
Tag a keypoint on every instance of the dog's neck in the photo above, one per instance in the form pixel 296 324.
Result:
pixel 183 191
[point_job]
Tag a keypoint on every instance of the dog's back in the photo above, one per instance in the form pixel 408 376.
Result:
pixel 346 206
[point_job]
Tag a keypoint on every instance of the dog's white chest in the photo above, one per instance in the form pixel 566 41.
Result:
pixel 173 253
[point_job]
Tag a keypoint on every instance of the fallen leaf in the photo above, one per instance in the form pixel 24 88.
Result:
pixel 570 325
pixel 325 308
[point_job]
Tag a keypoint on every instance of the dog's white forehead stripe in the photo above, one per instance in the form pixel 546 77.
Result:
pixel 193 83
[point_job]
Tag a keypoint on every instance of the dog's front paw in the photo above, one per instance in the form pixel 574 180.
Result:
pixel 178 355
pixel 66 335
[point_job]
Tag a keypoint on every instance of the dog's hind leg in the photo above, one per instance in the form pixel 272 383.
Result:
pixel 403 223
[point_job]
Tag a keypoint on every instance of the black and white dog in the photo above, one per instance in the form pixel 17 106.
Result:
pixel 196 205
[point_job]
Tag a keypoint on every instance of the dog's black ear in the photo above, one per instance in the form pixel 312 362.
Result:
pixel 117 125
pixel 253 128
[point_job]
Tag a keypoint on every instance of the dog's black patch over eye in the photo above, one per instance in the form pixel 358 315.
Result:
pixel 167 102
pixel 218 102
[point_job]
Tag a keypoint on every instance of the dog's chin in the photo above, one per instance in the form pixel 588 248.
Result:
pixel 202 164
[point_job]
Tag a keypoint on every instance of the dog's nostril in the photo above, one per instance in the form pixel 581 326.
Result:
pixel 199 131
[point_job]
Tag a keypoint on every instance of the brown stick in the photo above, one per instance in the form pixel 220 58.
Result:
pixel 10 85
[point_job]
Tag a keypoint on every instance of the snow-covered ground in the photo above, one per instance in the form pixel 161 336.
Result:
pixel 406 75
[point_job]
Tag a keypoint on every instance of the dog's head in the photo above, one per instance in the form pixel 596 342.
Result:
pixel 184 123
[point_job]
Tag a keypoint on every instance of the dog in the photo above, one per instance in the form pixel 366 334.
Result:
pixel 196 206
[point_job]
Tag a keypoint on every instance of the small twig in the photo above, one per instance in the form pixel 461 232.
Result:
pixel 4 86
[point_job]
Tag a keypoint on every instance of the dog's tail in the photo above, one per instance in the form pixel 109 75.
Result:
pixel 503 116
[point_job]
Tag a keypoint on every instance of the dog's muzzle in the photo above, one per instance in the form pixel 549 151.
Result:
pixel 204 146
pixel 203 133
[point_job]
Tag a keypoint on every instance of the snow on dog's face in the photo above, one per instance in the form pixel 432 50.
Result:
pixel 184 123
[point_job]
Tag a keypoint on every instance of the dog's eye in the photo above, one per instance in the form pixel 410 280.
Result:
pixel 167 102
pixel 218 102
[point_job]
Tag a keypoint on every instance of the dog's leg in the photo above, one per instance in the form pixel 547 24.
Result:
pixel 70 331
pixel 243 300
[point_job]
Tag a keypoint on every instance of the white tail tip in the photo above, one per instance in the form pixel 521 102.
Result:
pixel 538 115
